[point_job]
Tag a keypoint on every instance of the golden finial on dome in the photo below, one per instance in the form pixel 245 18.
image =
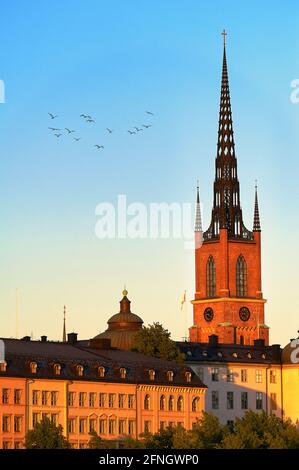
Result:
pixel 125 292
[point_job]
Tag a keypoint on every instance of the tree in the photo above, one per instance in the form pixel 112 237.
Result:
pixel 208 433
pixel 262 431
pixel 155 341
pixel 96 442
pixel 46 435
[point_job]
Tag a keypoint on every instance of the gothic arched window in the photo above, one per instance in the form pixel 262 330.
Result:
pixel 147 402
pixel 211 277
pixel 241 277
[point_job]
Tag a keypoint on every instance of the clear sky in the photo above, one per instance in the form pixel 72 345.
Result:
pixel 114 60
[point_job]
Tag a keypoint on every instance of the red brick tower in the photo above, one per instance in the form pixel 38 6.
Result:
pixel 228 293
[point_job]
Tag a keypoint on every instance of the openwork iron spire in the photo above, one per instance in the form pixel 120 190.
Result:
pixel 64 328
pixel 198 224
pixel 256 219
pixel 226 212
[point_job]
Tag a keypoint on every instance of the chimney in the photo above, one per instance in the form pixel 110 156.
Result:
pixel 26 338
pixel 276 352
pixel 213 340
pixel 72 338
pixel 43 339
pixel 100 343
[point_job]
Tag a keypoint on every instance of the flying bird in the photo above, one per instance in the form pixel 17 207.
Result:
pixel 149 112
pixel 90 120
pixel 146 126
pixel 131 132
pixel 58 135
pixel 69 130
pixel 109 130
pixel 54 128
pixel 53 116
pixel 77 138
pixel 137 129
pixel 99 146
pixel 88 117
pixel 84 116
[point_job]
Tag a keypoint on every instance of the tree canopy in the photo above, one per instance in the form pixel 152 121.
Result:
pixel 154 340
pixel 46 435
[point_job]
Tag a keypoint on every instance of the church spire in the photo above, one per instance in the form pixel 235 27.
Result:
pixel 198 224
pixel 226 212
pixel 64 328
pixel 256 219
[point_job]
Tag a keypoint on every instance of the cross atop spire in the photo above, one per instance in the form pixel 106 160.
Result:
pixel 224 34
pixel 198 224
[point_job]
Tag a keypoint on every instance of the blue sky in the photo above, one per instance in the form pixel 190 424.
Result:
pixel 114 60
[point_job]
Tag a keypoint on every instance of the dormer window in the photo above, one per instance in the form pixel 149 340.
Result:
pixel 33 367
pixel 79 370
pixel 3 366
pixel 263 356
pixel 57 369
pixel 249 355
pixel 101 371
pixel 123 373
pixel 152 374
pixel 170 376
pixel 219 354
pixel 235 354
pixel 188 376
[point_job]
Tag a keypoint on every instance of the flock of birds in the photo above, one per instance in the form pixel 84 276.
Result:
pixel 58 132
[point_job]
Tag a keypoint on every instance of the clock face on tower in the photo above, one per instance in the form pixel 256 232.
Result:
pixel 208 314
pixel 244 313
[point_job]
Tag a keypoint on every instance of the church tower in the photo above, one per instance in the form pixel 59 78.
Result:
pixel 228 293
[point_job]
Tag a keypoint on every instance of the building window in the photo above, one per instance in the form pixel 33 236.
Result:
pixel 211 277
pixel 273 401
pixel 79 370
pixel 92 399
pixel 200 373
pixel 241 277
pixel 5 445
pixel 17 396
pixel 102 399
pixel 162 402
pixel 170 375
pixel 131 401
pixel 5 395
pixel 33 367
pixel 81 399
pixel 71 425
pixel 123 373
pixel 35 419
pixel 230 400
pixel 215 400
pixel 92 425
pixel 34 397
pixel 259 400
pixel 82 425
pixel 54 418
pixel 244 400
pixel 18 445
pixel 121 400
pixel 122 426
pixel 180 403
pixel 230 424
pixel 112 426
pixel 195 404
pixel 102 426
pixel 163 425
pixel 101 371
pixel 57 369
pixel 230 375
pixel 147 427
pixel 258 376
pixel 244 375
pixel 131 427
pixel 188 376
pixel 54 398
pixel 5 423
pixel 17 423
pixel 45 397
pixel 171 403
pixel 111 400
pixel 147 401
pixel 215 374
pixel 152 374
pixel 273 376
pixel 3 366
pixel 71 398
